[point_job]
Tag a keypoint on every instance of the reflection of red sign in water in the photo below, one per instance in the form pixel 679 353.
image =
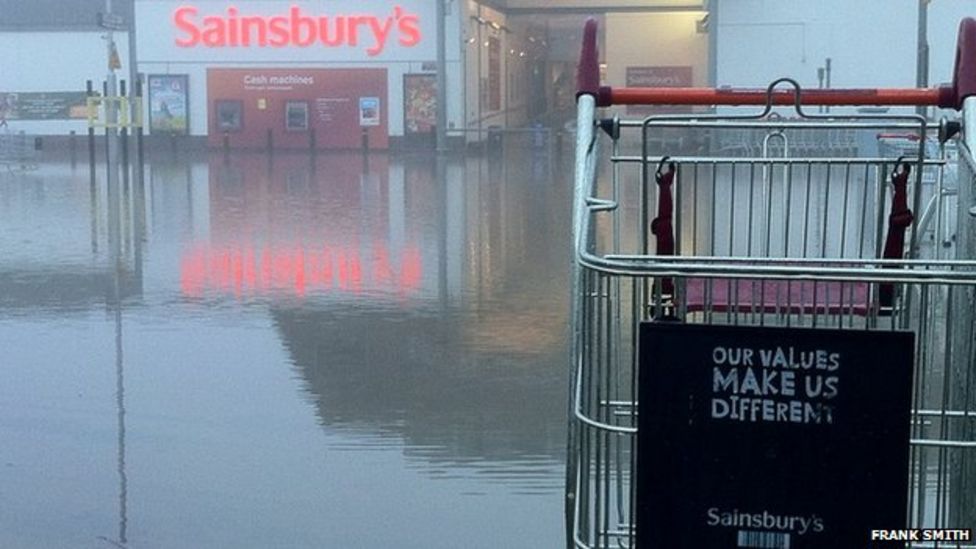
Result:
pixel 244 270
pixel 332 229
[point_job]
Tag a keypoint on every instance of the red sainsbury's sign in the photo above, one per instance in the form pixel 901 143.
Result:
pixel 296 28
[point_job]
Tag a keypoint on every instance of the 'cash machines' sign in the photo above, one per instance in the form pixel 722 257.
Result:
pixel 771 437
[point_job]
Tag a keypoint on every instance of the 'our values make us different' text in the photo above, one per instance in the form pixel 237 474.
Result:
pixel 779 384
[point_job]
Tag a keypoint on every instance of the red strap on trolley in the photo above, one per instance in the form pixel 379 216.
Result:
pixel 662 226
pixel 899 220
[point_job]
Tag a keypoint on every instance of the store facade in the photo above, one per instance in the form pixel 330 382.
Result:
pixel 323 74
pixel 326 73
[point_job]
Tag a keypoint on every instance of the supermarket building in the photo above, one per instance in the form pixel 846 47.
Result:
pixel 327 73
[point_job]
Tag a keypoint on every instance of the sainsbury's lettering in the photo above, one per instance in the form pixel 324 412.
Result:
pixel 296 28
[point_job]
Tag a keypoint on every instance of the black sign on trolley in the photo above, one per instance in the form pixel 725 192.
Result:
pixel 776 438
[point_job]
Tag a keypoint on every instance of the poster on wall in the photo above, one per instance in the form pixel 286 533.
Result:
pixel 658 77
pixel 419 103
pixel 754 436
pixel 369 111
pixel 43 105
pixel 168 102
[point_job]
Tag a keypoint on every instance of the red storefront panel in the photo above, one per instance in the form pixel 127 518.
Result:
pixel 244 105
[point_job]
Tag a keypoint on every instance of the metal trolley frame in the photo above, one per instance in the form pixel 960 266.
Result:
pixel 806 226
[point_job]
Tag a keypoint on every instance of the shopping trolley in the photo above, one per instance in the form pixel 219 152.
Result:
pixel 768 219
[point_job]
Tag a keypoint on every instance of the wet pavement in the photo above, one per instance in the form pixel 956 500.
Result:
pixel 286 352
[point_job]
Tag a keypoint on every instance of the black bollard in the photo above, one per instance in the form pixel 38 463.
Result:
pixel 92 186
pixel 107 129
pixel 139 196
pixel 312 152
pixel 124 140
pixel 89 91
pixel 225 147
pixel 140 154
pixel 72 147
pixel 124 160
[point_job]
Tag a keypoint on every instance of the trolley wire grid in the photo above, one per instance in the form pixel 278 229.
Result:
pixel 772 217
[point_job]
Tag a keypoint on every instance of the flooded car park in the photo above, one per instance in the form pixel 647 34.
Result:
pixel 301 351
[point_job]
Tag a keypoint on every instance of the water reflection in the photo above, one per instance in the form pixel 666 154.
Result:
pixel 47 262
pixel 415 307
pixel 332 345
pixel 283 235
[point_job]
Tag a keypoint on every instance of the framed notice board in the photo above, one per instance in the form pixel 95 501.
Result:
pixel 419 104
pixel 169 104
pixel 788 438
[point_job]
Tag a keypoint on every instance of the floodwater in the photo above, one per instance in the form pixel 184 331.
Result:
pixel 286 352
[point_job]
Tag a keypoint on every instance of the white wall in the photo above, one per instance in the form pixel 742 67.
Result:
pixel 55 62
pixel 455 66
pixel 872 43
pixel 655 39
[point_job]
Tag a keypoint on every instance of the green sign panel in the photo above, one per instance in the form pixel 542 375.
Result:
pixel 42 105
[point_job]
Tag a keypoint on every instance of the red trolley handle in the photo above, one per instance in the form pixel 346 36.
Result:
pixel 948 96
